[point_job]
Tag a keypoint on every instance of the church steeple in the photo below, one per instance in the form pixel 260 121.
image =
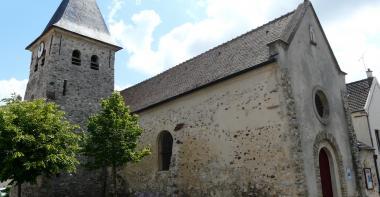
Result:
pixel 81 17
pixel 72 64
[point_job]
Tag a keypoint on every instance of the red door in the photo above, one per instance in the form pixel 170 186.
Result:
pixel 324 167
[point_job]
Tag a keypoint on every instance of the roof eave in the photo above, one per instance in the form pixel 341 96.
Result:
pixel 117 48
pixel 360 110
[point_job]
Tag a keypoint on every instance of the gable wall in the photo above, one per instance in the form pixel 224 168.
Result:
pixel 374 113
pixel 235 141
pixel 360 123
pixel 309 67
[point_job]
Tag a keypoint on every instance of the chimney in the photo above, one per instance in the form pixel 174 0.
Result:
pixel 369 73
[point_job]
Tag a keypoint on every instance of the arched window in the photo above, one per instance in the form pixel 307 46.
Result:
pixel 75 59
pixel 94 62
pixel 165 146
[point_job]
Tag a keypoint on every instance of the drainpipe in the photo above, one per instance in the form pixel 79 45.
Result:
pixel 377 171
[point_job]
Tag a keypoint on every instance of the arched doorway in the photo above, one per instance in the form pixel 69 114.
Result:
pixel 325 173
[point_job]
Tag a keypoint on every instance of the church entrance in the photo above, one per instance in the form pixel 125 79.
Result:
pixel 325 172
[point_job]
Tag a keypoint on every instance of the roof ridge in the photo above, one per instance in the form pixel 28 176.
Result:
pixel 214 48
pixel 366 79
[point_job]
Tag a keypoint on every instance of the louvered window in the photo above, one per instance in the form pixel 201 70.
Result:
pixel 76 59
pixel 94 62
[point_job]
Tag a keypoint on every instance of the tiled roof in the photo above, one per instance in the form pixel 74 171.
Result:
pixel 242 53
pixel 358 93
pixel 82 17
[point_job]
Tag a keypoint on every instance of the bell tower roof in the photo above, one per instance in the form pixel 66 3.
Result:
pixel 81 17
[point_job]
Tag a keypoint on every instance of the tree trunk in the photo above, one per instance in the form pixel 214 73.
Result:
pixel 114 180
pixel 19 189
pixel 105 181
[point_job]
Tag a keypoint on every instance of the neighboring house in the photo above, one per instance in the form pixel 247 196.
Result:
pixel 261 115
pixel 364 102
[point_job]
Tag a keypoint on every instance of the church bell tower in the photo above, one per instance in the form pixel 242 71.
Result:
pixel 72 60
pixel 72 65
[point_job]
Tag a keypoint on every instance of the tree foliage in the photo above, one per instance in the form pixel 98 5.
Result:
pixel 112 136
pixel 35 139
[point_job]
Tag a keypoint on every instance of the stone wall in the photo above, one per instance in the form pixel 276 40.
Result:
pixel 85 87
pixel 234 140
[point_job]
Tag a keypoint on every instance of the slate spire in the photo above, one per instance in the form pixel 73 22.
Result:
pixel 81 17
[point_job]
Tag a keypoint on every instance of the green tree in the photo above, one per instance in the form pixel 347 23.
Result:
pixel 112 138
pixel 35 139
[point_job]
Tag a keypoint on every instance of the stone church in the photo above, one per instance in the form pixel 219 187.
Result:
pixel 264 114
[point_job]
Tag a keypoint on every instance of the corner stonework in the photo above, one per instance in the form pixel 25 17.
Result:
pixel 354 145
pixel 294 131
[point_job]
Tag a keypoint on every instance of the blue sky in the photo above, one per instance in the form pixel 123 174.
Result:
pixel 158 34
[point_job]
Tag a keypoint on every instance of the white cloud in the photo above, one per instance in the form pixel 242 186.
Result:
pixel 350 36
pixel 225 20
pixel 7 87
pixel 137 39
pixel 115 6
pixel 355 36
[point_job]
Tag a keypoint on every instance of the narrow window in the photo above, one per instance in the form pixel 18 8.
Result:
pixel 51 43
pixel 109 60
pixel 76 60
pixel 94 62
pixel 312 36
pixel 165 146
pixel 64 87
pixel 36 67
pixel 60 44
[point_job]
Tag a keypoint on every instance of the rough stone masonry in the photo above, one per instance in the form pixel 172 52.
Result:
pixel 250 117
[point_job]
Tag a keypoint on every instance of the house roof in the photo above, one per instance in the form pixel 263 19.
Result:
pixel 82 17
pixel 243 53
pixel 358 94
